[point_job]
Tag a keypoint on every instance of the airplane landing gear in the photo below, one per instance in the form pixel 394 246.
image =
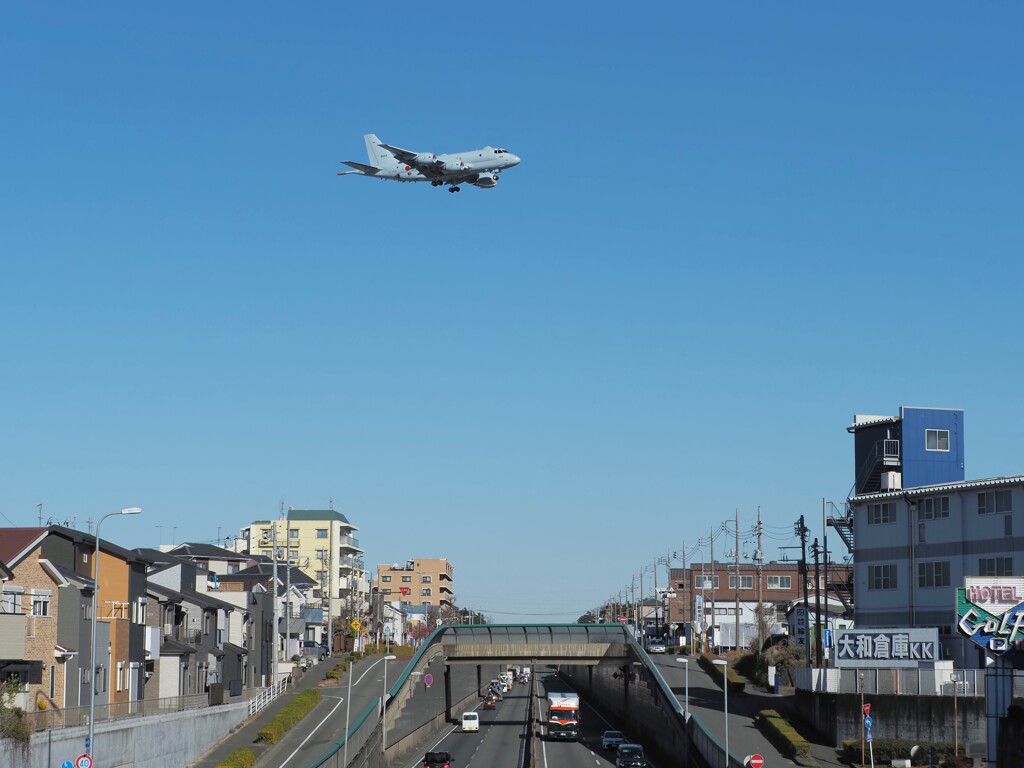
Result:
pixel 453 189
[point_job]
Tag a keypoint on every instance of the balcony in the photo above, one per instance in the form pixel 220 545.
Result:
pixel 350 562
pixel 350 542
pixel 12 636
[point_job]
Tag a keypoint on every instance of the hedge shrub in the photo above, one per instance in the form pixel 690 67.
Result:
pixel 782 734
pixel 887 750
pixel 736 684
pixel 240 758
pixel 287 718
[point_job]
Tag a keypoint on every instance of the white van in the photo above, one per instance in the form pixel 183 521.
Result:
pixel 470 722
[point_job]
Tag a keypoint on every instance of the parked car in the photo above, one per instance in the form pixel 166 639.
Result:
pixel 612 739
pixel 437 760
pixel 630 756
pixel 656 648
pixel 313 650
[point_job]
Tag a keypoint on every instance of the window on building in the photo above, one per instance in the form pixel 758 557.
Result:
pixel 321 533
pixel 705 582
pixel 426 579
pixel 385 579
pixel 293 533
pixel 746 582
pixel 933 574
pixel 386 591
pixel 232 567
pixel 425 592
pixel 207 623
pixel 265 552
pixel 139 610
pixel 40 605
pixel 120 676
pixel 10 602
pixel 406 579
pixel 779 582
pixel 995 566
pixel 880 514
pixel 933 509
pixel 882 576
pixel 425 602
pixel 995 502
pixel 936 439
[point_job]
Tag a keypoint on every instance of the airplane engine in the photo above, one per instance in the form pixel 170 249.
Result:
pixel 453 167
pixel 486 180
pixel 426 158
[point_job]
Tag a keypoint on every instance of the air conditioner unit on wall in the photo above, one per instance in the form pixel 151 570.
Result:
pixel 892 481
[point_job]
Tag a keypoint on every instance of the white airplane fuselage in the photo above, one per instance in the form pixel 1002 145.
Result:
pixel 479 167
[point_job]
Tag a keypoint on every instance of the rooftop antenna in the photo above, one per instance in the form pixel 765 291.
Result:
pixel 330 504
pixel 39 506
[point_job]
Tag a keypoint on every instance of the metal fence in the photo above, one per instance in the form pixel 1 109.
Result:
pixel 897 680
pixel 266 695
pixel 71 717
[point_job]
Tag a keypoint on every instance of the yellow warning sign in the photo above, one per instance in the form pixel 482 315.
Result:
pixel 356 624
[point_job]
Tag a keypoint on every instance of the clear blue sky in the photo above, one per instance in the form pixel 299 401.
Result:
pixel 734 226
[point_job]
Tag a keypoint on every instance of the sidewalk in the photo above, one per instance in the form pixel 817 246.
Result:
pixel 244 737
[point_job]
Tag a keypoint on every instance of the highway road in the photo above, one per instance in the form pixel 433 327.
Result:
pixel 585 753
pixel 498 741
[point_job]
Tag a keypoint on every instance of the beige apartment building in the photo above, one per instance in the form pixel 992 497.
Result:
pixel 320 542
pixel 425 581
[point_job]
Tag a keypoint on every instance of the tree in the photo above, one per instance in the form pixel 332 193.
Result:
pixel 587 618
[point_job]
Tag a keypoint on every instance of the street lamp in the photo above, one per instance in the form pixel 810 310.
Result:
pixel 725 687
pixel 686 666
pixel 384 708
pixel 95 590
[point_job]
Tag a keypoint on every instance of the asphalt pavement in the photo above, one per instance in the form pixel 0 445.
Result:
pixel 244 737
pixel 707 700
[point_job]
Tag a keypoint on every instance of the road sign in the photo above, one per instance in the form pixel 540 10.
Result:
pixel 66 764
pixel 868 737
pixel 828 638
pixel 404 590
pixel 428 679
pixel 356 624
pixel 867 722
pixel 387 629
pixel 867 710
pixel 756 761
pixel 83 761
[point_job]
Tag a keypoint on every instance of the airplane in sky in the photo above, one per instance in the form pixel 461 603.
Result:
pixel 479 167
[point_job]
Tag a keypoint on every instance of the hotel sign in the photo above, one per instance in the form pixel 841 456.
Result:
pixel 991 613
pixel 885 647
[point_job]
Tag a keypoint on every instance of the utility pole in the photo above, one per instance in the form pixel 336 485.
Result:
pixel 817 602
pixel 802 532
pixel 714 634
pixel 276 634
pixel 737 553
pixel 656 596
pixel 761 618
pixel 330 593
pixel 287 578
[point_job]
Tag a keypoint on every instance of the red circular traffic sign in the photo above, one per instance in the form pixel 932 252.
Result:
pixel 83 761
pixel 756 761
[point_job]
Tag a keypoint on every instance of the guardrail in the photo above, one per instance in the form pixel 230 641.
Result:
pixel 266 696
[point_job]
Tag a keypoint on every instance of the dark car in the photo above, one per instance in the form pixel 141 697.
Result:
pixel 490 703
pixel 437 760
pixel 630 756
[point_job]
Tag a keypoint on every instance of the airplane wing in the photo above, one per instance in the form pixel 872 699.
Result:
pixel 401 154
pixel 360 168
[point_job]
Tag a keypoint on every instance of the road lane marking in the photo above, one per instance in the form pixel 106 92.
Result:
pixel 310 735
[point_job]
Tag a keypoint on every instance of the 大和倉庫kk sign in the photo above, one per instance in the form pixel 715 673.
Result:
pixel 885 647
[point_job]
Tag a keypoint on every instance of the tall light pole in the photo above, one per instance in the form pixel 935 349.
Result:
pixel 686 666
pixel 725 687
pixel 95 590
pixel 384 709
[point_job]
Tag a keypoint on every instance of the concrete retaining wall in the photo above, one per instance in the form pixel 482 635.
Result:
pixel 837 716
pixel 164 741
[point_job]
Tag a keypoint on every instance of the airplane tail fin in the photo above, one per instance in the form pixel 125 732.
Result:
pixel 379 157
